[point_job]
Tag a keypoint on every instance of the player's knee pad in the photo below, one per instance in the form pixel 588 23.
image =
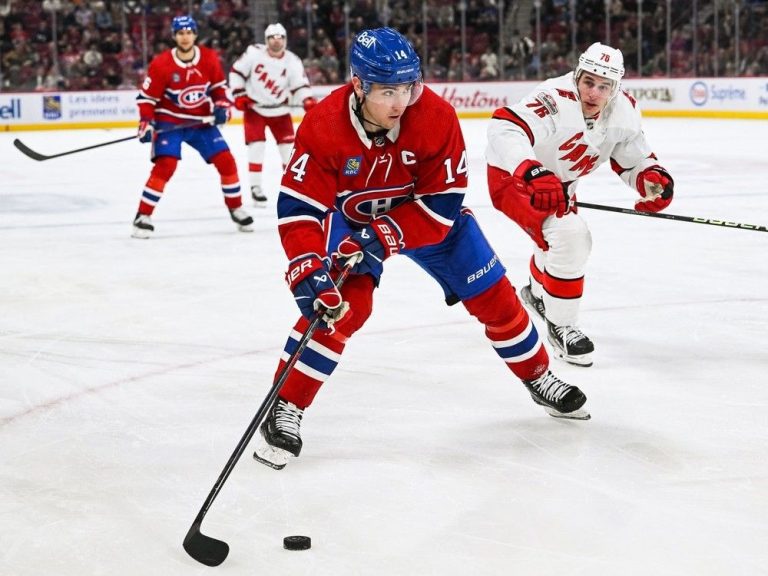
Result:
pixel 163 168
pixel 496 307
pixel 225 163
pixel 358 292
pixel 570 243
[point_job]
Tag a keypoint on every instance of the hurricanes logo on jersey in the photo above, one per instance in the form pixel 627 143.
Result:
pixel 575 153
pixel 275 88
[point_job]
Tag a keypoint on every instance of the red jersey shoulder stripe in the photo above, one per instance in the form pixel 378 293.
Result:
pixel 510 116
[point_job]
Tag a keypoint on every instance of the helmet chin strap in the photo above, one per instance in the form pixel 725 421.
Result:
pixel 358 110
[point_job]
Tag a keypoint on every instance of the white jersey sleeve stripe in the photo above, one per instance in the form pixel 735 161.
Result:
pixel 303 198
pixel 434 215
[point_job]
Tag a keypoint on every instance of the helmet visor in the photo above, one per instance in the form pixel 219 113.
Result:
pixel 395 94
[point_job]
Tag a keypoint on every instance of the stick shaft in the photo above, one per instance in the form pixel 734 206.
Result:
pixel 27 151
pixel 710 221
pixel 266 405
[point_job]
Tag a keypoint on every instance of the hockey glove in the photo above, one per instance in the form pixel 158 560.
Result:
pixel 309 279
pixel 656 188
pixel 243 102
pixel 365 250
pixel 146 130
pixel 309 103
pixel 221 111
pixel 545 189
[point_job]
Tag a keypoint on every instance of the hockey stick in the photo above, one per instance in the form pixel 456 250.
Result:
pixel 210 551
pixel 27 151
pixel 711 221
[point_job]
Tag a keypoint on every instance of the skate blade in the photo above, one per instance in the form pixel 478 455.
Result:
pixel 246 228
pixel 531 306
pixel 141 234
pixel 585 360
pixel 579 414
pixel 275 458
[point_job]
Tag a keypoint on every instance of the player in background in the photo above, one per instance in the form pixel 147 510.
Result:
pixel 379 168
pixel 185 84
pixel 265 81
pixel 537 151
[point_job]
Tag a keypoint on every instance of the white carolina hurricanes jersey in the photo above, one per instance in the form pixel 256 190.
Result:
pixel 272 83
pixel 548 125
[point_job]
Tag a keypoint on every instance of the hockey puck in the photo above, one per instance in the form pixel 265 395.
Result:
pixel 297 542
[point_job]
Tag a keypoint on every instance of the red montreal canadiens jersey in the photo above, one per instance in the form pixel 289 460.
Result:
pixel 174 91
pixel 415 174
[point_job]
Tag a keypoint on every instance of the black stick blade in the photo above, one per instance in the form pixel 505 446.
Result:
pixel 27 151
pixel 205 549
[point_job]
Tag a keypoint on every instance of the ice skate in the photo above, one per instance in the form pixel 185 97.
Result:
pixel 142 227
pixel 559 399
pixel 242 219
pixel 531 302
pixel 280 437
pixel 570 344
pixel 258 196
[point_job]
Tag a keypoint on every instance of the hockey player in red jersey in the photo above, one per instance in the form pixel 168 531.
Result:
pixel 537 151
pixel 379 169
pixel 185 85
pixel 265 81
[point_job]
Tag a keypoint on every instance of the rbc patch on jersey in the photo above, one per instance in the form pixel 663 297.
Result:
pixel 52 107
pixel 352 166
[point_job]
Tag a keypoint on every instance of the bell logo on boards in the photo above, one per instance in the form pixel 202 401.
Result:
pixel 10 110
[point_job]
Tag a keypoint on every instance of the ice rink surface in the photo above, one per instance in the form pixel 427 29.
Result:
pixel 129 370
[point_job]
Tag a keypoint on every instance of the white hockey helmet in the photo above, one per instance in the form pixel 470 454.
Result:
pixel 604 61
pixel 276 29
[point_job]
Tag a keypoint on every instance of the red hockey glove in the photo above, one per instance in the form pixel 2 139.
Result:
pixel 221 111
pixel 365 250
pixel 146 130
pixel 545 189
pixel 309 279
pixel 243 102
pixel 309 103
pixel 656 187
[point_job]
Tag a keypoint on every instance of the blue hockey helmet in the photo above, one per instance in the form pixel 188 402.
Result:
pixel 384 56
pixel 183 23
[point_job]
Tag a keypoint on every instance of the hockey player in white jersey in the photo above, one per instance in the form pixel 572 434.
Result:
pixel 537 151
pixel 266 80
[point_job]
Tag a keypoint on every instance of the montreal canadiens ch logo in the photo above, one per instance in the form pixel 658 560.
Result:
pixel 364 206
pixel 192 96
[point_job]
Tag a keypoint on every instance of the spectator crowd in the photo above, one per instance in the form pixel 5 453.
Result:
pixel 106 44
